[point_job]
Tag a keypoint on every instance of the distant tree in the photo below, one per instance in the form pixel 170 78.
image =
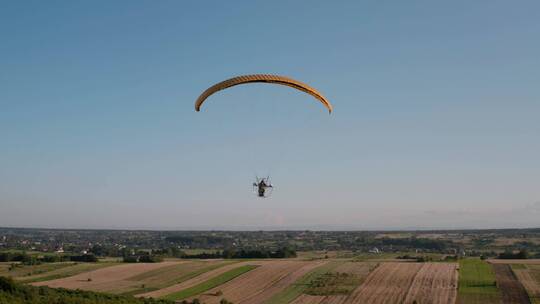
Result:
pixel 150 259
pixel 509 254
pixel 130 259
pixel 88 258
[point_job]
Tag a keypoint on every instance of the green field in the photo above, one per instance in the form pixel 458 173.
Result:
pixel 333 283
pixel 294 290
pixel 477 282
pixel 211 283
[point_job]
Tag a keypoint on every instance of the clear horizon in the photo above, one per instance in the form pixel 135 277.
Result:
pixel 435 119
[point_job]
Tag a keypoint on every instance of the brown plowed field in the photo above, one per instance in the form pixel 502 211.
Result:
pixel 408 282
pixel 529 283
pixel 283 283
pixel 389 283
pixel 108 279
pixel 308 299
pixel 260 284
pixel 434 283
pixel 512 290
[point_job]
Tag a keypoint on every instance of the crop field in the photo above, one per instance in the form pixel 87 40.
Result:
pixel 261 284
pixel 434 283
pixel 65 272
pixel 333 284
pixel 477 283
pixel 408 283
pixel 170 275
pixel 334 281
pixel 512 291
pixel 213 282
pixel 114 279
pixel 296 289
pixel 194 280
pixel 389 283
pixel 298 280
pixel 529 276
pixel 342 280
pixel 18 271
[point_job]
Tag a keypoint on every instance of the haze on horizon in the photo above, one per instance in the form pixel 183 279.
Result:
pixel 436 121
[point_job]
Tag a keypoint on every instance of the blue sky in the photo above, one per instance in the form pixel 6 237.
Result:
pixel 436 121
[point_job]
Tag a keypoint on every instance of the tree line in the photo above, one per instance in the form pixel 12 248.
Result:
pixel 509 255
pixel 33 259
pixel 282 253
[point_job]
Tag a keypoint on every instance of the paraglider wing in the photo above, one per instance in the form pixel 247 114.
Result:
pixel 265 79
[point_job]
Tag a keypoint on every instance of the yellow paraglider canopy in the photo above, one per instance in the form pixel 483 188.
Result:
pixel 265 79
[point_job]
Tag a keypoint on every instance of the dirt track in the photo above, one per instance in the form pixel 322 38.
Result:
pixel 512 290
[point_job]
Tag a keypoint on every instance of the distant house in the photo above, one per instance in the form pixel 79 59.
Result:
pixel 375 250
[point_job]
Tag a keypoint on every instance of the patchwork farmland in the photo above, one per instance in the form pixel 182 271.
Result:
pixel 308 279
pixel 333 281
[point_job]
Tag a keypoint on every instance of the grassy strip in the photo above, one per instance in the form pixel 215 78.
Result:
pixel 477 283
pixel 297 288
pixel 518 266
pixel 211 283
pixel 333 283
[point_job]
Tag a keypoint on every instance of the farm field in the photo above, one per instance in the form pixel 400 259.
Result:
pixel 389 283
pixel 298 280
pixel 477 283
pixel 213 282
pixel 434 283
pixel 114 279
pixel 65 272
pixel 17 270
pixel 170 275
pixel 334 281
pixel 48 271
pixel 529 276
pixel 259 285
pixel 195 280
pixel 512 291
pixel 296 289
pixel 334 284
pixel 407 283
